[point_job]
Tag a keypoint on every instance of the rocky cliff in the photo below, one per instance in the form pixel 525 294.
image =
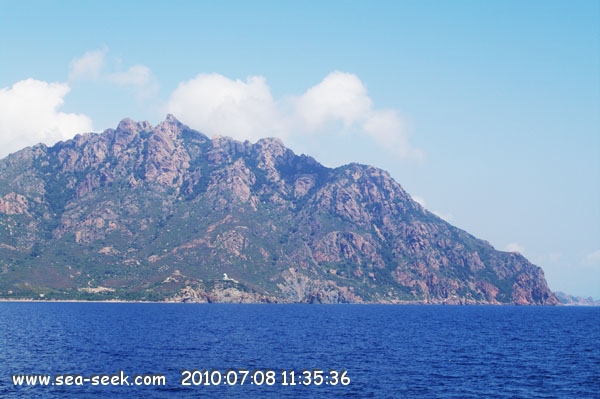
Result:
pixel 163 212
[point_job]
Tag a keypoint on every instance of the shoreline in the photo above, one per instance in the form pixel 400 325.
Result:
pixel 409 303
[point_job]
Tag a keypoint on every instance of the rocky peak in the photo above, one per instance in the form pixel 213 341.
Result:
pixel 271 148
pixel 170 127
pixel 131 127
pixel 271 153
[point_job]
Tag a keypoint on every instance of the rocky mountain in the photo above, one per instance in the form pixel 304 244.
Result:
pixel 162 212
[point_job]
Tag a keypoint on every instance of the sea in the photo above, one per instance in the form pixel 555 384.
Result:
pixel 160 350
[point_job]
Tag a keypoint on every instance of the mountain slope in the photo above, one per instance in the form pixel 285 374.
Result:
pixel 161 213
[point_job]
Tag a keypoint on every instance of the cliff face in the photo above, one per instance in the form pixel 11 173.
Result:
pixel 162 212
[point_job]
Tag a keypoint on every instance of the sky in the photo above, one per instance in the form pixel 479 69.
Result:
pixel 486 112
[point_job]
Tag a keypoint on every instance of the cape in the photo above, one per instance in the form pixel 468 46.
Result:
pixel 164 213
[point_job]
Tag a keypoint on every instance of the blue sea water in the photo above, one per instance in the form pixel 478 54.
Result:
pixel 386 351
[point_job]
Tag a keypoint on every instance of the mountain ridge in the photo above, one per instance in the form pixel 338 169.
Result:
pixel 161 212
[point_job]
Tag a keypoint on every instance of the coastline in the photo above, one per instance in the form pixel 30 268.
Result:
pixel 407 303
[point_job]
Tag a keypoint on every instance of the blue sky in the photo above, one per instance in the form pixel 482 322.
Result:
pixel 488 112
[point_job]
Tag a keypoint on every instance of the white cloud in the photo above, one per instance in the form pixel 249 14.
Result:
pixel 339 104
pixel 338 97
pixel 29 114
pixel 342 97
pixel 514 247
pixel 592 258
pixel 388 130
pixel 137 75
pixel 92 66
pixel 215 104
pixel 89 66
pixel 140 78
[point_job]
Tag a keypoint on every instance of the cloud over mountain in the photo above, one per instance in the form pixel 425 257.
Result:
pixel 216 104
pixel 337 106
pixel 30 113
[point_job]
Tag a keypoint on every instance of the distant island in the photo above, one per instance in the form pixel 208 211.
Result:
pixel 571 300
pixel 164 213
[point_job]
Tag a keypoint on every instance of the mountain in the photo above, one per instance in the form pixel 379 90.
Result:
pixel 571 300
pixel 165 213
